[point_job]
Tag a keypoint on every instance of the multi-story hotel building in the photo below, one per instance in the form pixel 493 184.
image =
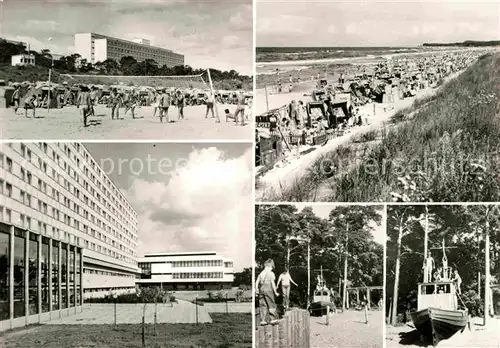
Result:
pixel 66 232
pixel 186 271
pixel 97 48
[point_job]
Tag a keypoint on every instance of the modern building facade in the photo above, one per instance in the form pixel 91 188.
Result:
pixel 186 271
pixel 23 59
pixel 97 48
pixel 58 208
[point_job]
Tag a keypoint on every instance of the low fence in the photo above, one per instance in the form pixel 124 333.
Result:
pixel 292 331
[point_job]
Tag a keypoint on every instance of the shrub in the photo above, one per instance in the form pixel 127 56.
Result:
pixel 473 303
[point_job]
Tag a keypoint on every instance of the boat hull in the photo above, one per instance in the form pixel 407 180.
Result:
pixel 439 324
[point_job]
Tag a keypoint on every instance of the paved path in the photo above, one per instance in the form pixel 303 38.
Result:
pixel 66 123
pixel 348 330
pixel 180 313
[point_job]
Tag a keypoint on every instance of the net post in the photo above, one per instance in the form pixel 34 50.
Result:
pixel 213 94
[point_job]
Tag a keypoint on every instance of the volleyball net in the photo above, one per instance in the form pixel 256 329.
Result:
pixel 184 81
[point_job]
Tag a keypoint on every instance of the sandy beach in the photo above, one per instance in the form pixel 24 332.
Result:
pixel 285 176
pixel 348 330
pixel 477 337
pixel 66 123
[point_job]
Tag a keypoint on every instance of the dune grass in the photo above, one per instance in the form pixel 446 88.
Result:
pixel 445 152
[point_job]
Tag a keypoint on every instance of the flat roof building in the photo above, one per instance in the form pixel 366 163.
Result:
pixel 186 271
pixel 97 48
pixel 57 204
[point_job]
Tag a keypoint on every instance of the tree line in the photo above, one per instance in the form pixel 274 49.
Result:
pixel 128 66
pixel 282 232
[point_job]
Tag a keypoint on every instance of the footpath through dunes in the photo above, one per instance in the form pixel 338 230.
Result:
pixel 67 123
pixel 442 148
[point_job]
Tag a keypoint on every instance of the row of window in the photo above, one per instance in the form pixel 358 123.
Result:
pixel 200 263
pixel 109 290
pixel 198 275
pixel 60 266
pixel 26 199
pixel 9 216
pixel 122 204
pixel 26 176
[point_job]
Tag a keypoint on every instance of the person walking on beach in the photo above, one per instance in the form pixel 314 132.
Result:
pixel 181 102
pixel 164 105
pixel 210 104
pixel 285 279
pixel 116 100
pixel 84 102
pixel 16 97
pixel 428 267
pixel 30 104
pixel 155 98
pixel 240 109
pixel 93 100
pixel 132 104
pixel 266 292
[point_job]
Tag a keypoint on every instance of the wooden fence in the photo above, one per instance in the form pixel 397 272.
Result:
pixel 292 331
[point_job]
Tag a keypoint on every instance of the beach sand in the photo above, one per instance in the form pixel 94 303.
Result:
pixel 272 182
pixel 477 337
pixel 348 330
pixel 66 123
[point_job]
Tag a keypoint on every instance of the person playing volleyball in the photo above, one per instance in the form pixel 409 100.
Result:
pixel 84 101
pixel 240 109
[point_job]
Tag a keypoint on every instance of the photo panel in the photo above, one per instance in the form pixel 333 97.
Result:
pixel 145 70
pixel 365 101
pixel 319 273
pixel 442 271
pixel 122 242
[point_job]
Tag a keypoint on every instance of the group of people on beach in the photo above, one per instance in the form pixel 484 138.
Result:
pixel 267 291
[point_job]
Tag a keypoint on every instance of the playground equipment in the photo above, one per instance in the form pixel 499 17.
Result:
pixel 322 298
pixel 292 331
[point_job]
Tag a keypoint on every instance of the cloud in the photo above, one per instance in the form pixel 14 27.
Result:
pixel 375 22
pixel 206 205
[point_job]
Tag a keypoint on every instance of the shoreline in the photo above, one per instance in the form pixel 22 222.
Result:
pixel 347 60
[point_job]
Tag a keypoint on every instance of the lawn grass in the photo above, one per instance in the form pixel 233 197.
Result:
pixel 227 330
pixel 445 152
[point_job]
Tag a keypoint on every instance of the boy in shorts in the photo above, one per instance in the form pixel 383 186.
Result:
pixel 164 105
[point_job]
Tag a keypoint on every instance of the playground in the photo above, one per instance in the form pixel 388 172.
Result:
pixel 451 296
pixel 67 123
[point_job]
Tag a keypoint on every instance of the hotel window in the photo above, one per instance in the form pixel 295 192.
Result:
pixel 55 274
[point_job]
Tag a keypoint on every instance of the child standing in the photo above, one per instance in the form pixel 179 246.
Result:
pixel 285 279
pixel 266 290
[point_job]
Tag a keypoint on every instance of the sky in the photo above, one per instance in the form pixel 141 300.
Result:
pixel 323 210
pixel 188 197
pixel 375 22
pixel 210 33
